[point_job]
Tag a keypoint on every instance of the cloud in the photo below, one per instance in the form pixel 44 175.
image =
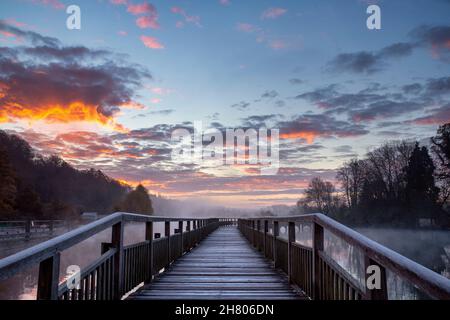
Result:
pixel 311 126
pixel 246 27
pixel 151 42
pixel 437 38
pixel 296 81
pixel 47 83
pixel 55 4
pixel 270 94
pixel 436 116
pixel 368 62
pixel 241 105
pixel 273 13
pixel 30 36
pixel 187 18
pixel 225 2
pixel 147 12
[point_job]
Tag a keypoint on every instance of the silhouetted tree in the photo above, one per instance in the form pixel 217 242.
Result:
pixel 421 191
pixel 138 201
pixel 28 203
pixel 8 187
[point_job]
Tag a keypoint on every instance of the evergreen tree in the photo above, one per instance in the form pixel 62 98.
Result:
pixel 28 203
pixel 421 191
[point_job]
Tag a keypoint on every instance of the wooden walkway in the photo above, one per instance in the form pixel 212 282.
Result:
pixel 223 266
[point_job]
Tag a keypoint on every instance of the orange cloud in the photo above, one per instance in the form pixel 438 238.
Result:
pixel 75 111
pixel 309 136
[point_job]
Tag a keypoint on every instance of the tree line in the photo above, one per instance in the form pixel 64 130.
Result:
pixel 401 183
pixel 46 187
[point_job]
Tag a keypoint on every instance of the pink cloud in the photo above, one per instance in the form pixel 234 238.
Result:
pixel 151 42
pixel 118 2
pixel 273 13
pixel 147 22
pixel 277 44
pixel 122 33
pixel 246 27
pixel 225 2
pixel 142 8
pixel 56 4
pixel 187 18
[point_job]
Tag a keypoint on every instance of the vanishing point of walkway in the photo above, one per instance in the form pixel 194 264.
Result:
pixel 223 266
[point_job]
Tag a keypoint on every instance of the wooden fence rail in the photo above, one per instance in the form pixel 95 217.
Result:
pixel 319 276
pixel 120 268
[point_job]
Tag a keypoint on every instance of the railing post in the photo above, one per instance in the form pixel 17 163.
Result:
pixel 254 233
pixel 117 243
pixel 194 227
pixel 149 238
pixel 189 236
pixel 317 235
pixel 258 228
pixel 167 235
pixel 48 280
pixel 375 294
pixel 276 233
pixel 180 227
pixel 291 240
pixel 266 229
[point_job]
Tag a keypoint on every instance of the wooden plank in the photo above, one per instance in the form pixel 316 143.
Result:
pixel 222 266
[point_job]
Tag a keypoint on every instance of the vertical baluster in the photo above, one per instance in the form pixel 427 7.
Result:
pixel 48 279
pixel 117 242
pixel 317 234
pixel 149 238
pixel 180 227
pixel 291 240
pixel 375 294
pixel 167 235
pixel 276 233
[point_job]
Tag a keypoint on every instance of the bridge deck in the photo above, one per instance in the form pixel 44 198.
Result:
pixel 223 266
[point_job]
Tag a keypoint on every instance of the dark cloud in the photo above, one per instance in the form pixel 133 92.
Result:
pixel 414 88
pixel 296 81
pixel 368 62
pixel 311 126
pixel 270 94
pixel 34 38
pixel 63 89
pixel 241 105
pixel 435 37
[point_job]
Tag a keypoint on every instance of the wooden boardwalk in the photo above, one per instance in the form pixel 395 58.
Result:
pixel 223 266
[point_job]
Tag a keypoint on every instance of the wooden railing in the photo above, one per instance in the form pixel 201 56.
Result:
pixel 120 268
pixel 317 274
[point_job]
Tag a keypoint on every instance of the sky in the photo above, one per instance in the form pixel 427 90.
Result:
pixel 109 95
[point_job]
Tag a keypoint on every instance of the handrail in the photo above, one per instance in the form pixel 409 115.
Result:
pixel 425 279
pixel 47 254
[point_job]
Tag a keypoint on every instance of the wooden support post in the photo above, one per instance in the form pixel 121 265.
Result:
pixel 167 235
pixel 51 227
pixel 117 243
pixel 149 238
pixel 276 233
pixel 48 280
pixel 375 294
pixel 254 233
pixel 258 228
pixel 189 235
pixel 291 240
pixel 180 226
pixel 317 235
pixel 266 229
